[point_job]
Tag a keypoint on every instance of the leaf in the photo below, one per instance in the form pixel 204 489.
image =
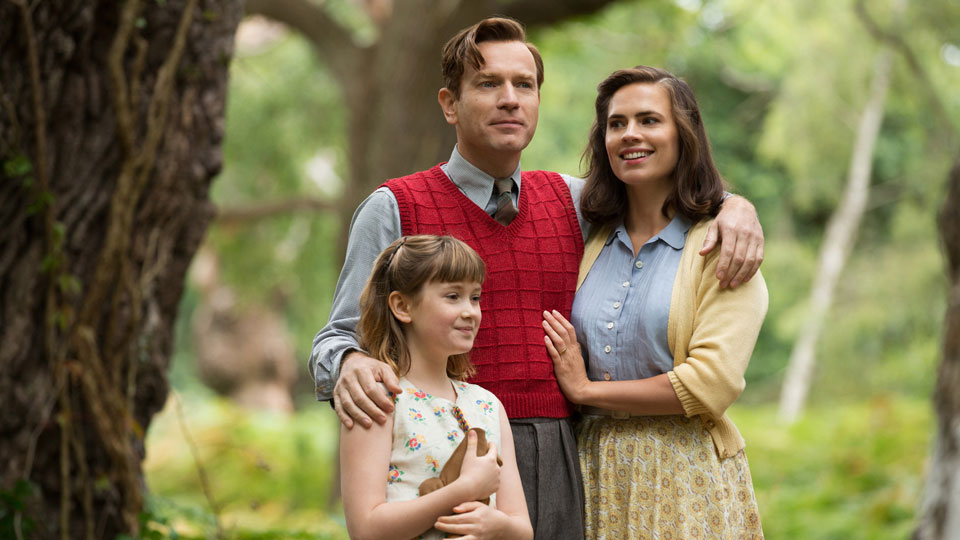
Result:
pixel 102 483
pixel 64 315
pixel 44 199
pixel 50 263
pixel 69 284
pixel 18 165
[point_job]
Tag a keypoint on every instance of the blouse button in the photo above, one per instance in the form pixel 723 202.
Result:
pixel 616 305
pixel 639 264
pixel 626 283
pixel 609 325
pixel 607 349
pixel 606 376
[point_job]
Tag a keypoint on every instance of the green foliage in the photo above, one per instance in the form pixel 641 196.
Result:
pixel 269 474
pixel 16 166
pixel 851 470
pixel 13 509
pixel 848 472
pixel 283 114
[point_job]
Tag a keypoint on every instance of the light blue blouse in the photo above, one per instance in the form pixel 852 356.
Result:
pixel 621 311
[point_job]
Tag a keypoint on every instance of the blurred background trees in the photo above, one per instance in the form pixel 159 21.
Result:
pixel 341 94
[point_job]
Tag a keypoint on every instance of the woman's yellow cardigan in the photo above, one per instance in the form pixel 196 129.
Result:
pixel 711 331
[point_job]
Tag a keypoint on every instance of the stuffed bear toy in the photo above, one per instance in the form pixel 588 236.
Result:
pixel 451 470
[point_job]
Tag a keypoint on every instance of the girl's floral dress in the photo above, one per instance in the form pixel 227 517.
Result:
pixel 427 429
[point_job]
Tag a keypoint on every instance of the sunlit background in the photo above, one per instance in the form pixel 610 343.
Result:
pixel 242 446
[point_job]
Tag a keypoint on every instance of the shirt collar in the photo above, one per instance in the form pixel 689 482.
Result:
pixel 474 183
pixel 674 234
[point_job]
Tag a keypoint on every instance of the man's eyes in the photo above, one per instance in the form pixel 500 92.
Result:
pixel 494 84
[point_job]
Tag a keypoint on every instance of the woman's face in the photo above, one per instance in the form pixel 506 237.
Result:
pixel 642 142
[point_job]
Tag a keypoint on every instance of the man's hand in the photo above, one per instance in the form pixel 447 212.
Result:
pixel 741 241
pixel 357 396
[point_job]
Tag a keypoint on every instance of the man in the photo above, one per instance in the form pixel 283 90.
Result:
pixel 528 229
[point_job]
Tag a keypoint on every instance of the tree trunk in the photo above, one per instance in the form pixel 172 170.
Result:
pixel 395 124
pixel 939 514
pixel 111 120
pixel 837 244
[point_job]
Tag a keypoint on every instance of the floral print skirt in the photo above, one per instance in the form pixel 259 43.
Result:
pixel 659 477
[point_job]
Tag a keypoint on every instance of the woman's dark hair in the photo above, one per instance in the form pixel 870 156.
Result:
pixel 406 266
pixel 698 186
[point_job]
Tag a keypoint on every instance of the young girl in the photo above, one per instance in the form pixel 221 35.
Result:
pixel 420 312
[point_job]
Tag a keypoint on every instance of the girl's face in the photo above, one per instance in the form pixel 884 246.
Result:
pixel 642 141
pixel 444 318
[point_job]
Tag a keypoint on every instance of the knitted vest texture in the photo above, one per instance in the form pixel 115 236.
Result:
pixel 532 266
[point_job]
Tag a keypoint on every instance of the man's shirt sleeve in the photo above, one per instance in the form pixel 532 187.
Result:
pixel 375 224
pixel 576 188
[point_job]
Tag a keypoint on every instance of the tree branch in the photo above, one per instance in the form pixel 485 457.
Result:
pixel 331 40
pixel 897 43
pixel 545 12
pixel 243 215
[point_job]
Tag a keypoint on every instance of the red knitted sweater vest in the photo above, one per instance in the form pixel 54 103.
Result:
pixel 532 266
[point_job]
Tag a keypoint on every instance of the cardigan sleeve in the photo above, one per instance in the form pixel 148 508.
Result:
pixel 726 323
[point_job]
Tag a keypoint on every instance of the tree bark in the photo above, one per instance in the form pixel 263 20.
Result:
pixel 939 513
pixel 837 244
pixel 111 120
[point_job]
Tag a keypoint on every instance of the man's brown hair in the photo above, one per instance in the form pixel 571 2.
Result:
pixel 462 49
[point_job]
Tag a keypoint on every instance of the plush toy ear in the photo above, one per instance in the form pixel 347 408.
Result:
pixel 430 485
pixel 400 307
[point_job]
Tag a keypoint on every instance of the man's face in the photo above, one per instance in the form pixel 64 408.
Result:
pixel 496 113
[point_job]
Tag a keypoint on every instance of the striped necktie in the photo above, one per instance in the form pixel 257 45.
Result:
pixel 506 210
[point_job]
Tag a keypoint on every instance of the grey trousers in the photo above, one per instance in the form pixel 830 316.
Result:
pixel 546 451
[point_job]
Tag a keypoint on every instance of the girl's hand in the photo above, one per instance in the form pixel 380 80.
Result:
pixel 568 365
pixel 479 474
pixel 474 521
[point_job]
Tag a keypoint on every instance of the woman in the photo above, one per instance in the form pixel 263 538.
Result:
pixel 665 347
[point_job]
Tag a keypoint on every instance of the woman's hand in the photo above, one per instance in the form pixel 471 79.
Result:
pixel 480 475
pixel 568 365
pixel 474 520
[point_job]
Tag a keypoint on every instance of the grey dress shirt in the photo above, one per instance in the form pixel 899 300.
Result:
pixel 376 224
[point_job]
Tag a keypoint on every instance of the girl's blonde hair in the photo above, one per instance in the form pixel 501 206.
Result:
pixel 406 266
